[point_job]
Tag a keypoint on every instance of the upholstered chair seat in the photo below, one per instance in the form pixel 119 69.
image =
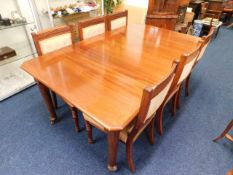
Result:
pixel 124 133
pixel 90 120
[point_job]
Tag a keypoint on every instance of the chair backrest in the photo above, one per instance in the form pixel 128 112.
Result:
pixel 53 39
pixel 206 41
pixel 117 20
pixel 185 66
pixel 92 27
pixel 152 98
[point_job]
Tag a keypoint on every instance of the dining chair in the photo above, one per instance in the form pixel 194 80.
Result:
pixel 91 27
pixel 186 63
pixel 205 43
pixel 152 97
pixel 117 20
pixel 225 133
pixel 50 40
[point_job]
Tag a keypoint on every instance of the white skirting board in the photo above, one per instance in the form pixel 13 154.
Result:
pixel 13 79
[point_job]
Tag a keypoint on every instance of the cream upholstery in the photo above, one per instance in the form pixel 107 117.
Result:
pixel 125 133
pixel 158 100
pixel 89 119
pixel 186 71
pixel 55 43
pixel 119 22
pixel 202 52
pixel 93 30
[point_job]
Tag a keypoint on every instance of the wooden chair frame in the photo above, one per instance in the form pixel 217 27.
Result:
pixel 114 16
pixel 142 121
pixel 206 40
pixel 89 22
pixel 174 92
pixel 225 132
pixel 37 37
pixel 45 34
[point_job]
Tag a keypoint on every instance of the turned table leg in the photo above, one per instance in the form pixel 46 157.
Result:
pixel 113 139
pixel 54 99
pixel 45 93
pixel 224 133
pixel 75 118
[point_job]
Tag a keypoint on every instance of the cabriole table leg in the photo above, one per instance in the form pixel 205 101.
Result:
pixel 45 93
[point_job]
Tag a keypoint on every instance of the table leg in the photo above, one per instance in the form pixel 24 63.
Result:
pixel 224 133
pixel 113 139
pixel 45 93
pixel 75 118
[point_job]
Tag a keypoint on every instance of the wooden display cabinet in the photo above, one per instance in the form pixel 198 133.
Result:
pixel 164 13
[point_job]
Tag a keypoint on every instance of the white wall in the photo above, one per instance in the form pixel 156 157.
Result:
pixel 137 10
pixel 137 3
pixel 41 5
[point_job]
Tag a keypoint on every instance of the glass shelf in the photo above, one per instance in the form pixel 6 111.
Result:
pixel 23 50
pixel 17 36
pixel 14 25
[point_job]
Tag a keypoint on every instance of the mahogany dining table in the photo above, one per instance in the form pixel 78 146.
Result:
pixel 104 76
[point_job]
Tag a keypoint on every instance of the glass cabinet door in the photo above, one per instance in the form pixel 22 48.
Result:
pixel 17 22
pixel 15 31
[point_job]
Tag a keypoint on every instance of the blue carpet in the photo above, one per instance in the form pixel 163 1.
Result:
pixel 29 145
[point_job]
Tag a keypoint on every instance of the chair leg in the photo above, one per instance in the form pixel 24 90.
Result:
pixel 89 132
pixel 187 85
pixel 159 120
pixel 54 99
pixel 151 131
pixel 178 98
pixel 75 118
pixel 129 151
pixel 174 101
pixel 223 134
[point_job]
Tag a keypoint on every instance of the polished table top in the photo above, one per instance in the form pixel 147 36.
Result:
pixel 104 76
